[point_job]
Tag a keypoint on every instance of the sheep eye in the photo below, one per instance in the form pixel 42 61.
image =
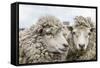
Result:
pixel 74 33
pixel 89 33
pixel 48 33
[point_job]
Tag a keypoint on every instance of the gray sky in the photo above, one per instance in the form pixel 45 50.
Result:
pixel 29 14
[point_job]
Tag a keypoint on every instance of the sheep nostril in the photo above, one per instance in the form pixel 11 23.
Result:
pixel 65 45
pixel 81 45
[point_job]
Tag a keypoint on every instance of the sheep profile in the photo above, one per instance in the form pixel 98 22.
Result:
pixel 82 40
pixel 43 42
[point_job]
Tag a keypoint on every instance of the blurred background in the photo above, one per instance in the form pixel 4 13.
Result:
pixel 29 14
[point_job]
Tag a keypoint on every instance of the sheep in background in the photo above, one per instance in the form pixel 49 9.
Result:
pixel 44 42
pixel 82 40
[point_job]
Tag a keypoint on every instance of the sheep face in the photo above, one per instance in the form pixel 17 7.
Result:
pixel 56 42
pixel 54 39
pixel 81 37
pixel 51 30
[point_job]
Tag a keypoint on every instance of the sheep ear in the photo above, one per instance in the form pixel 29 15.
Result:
pixel 70 28
pixel 93 29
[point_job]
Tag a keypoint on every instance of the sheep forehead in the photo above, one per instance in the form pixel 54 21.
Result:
pixel 81 28
pixel 83 31
pixel 49 20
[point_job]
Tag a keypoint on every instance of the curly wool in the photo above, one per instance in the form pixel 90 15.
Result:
pixel 90 53
pixel 84 21
pixel 32 48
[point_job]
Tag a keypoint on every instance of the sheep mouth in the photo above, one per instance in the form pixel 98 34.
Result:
pixel 63 50
pixel 81 50
pixel 60 51
pixel 56 52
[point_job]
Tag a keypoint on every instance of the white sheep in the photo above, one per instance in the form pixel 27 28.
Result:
pixel 82 40
pixel 43 42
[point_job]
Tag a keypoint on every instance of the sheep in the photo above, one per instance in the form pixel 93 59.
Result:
pixel 43 42
pixel 82 40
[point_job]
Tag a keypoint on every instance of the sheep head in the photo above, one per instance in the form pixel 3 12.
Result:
pixel 81 33
pixel 51 30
